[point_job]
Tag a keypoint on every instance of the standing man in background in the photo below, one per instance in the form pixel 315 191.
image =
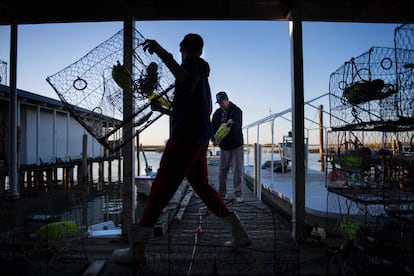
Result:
pixel 231 147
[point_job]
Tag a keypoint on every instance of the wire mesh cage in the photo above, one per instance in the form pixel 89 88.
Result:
pixel 404 47
pixel 93 88
pixel 370 169
pixel 363 91
pixel 375 168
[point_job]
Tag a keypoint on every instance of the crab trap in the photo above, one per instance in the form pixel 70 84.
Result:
pixel 363 91
pixel 93 90
pixel 374 91
pixel 404 49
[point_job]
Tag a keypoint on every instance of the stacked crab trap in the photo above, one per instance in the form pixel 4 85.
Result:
pixel 370 148
pixel 374 91
pixel 93 90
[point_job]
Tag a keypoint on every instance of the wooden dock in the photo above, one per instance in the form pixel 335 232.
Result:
pixel 183 250
pixel 191 243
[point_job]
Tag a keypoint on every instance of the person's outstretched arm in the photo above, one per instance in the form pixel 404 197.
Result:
pixel 153 46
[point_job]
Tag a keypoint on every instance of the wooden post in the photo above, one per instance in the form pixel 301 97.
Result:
pixel 85 180
pixel 321 163
pixel 298 149
pixel 21 181
pixel 109 171
pixel 257 187
pixel 70 175
pixel 90 175
pixel 49 178
pixel 13 116
pixel 55 176
pixel 119 169
pixel 39 179
pixel 137 151
pixel 79 175
pixel 65 178
pixel 29 178
pixel 128 191
pixel 101 175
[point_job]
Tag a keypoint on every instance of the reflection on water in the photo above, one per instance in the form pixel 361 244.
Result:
pixel 74 205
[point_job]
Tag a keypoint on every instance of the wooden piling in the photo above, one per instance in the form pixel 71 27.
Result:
pixel 321 163
pixel 109 172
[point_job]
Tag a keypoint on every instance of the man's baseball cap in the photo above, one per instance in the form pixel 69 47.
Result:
pixel 221 96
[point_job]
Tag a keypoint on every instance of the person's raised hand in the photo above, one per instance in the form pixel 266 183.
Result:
pixel 151 46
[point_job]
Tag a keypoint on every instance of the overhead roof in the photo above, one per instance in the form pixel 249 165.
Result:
pixel 66 11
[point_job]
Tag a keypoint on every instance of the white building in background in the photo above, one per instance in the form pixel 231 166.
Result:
pixel 46 131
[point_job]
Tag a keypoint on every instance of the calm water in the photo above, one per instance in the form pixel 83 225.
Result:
pixel 153 159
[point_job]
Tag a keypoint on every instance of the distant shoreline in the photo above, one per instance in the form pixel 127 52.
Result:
pixel 160 148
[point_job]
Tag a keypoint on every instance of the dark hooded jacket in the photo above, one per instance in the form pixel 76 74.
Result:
pixel 235 137
pixel 192 104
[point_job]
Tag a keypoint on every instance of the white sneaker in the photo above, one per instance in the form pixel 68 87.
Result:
pixel 239 199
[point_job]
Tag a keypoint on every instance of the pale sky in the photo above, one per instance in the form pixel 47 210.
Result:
pixel 250 60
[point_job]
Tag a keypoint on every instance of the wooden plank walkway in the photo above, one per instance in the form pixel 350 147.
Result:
pixel 183 250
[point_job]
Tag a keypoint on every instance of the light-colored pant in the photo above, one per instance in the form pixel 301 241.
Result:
pixel 231 159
